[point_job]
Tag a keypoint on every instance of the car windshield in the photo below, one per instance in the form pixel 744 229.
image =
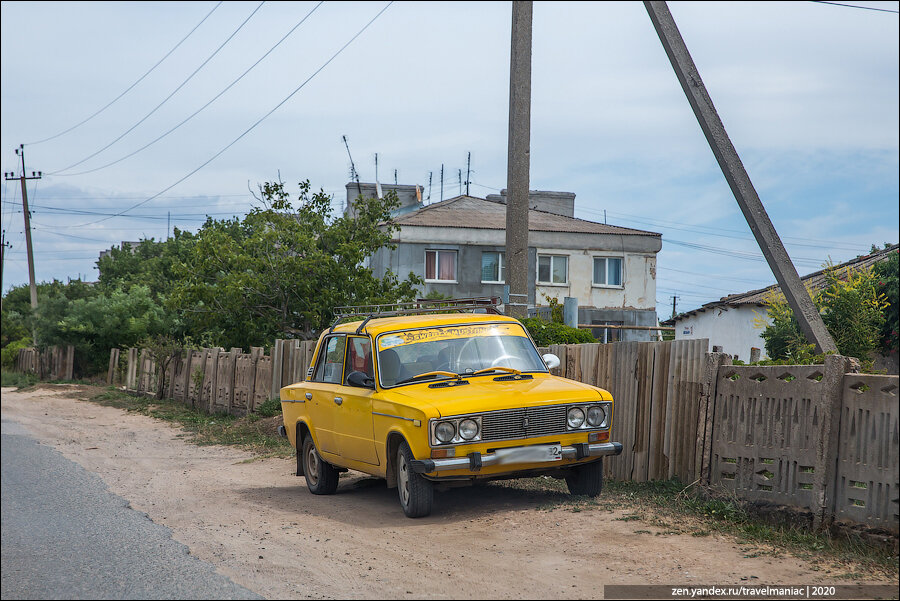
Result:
pixel 461 350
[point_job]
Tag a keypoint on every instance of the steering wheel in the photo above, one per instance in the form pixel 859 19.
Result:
pixel 501 360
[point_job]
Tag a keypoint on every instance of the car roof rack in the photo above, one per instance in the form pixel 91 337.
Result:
pixel 485 304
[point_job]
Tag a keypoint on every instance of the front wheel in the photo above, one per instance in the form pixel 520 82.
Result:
pixel 416 493
pixel 586 480
pixel 321 477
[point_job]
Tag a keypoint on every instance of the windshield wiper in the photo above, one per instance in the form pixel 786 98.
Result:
pixel 449 374
pixel 498 368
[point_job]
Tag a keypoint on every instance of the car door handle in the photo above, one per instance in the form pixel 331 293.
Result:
pixel 338 400
pixel 308 396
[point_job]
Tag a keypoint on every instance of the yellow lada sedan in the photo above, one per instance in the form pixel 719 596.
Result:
pixel 423 399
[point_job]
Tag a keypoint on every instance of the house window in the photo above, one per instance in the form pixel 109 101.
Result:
pixel 553 269
pixel 607 271
pixel 440 265
pixel 492 268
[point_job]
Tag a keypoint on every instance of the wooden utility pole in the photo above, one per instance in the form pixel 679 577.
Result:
pixel 11 176
pixel 754 212
pixel 518 161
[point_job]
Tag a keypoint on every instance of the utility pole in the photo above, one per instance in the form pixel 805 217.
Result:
pixel 460 182
pixel 674 300
pixel 3 245
pixel 11 176
pixel 395 177
pixel 468 171
pixel 442 182
pixel 518 161
pixel 430 173
pixel 751 206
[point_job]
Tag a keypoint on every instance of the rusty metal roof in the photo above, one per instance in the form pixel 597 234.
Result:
pixel 470 212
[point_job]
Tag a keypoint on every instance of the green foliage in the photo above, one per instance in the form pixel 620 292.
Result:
pixel 97 324
pixel 546 333
pixel 282 269
pixel 17 379
pixel 852 308
pixel 887 274
pixel 269 408
pixel 150 264
pixel 11 351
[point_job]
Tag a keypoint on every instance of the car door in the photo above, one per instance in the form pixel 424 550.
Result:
pixel 323 392
pixel 354 426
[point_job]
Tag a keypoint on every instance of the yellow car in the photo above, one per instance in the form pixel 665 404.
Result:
pixel 427 398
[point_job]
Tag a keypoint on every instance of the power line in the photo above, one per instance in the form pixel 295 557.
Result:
pixel 883 10
pixel 166 99
pixel 198 111
pixel 140 79
pixel 252 127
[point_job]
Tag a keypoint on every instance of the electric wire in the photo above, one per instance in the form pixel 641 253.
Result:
pixel 883 10
pixel 140 79
pixel 198 111
pixel 166 99
pixel 252 127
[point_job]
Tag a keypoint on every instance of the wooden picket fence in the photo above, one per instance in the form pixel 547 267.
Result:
pixel 52 363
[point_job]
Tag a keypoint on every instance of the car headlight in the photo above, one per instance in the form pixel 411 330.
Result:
pixel 596 415
pixel 445 431
pixel 575 417
pixel 468 429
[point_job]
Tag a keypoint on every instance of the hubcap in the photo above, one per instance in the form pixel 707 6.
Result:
pixel 403 479
pixel 312 465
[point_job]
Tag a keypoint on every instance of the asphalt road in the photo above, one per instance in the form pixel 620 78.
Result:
pixel 65 536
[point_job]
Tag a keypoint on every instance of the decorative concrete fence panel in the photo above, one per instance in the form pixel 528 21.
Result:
pixel 867 487
pixel 765 432
pixel 244 377
pixel 262 388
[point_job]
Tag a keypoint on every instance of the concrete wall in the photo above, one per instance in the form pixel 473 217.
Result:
pixel 731 328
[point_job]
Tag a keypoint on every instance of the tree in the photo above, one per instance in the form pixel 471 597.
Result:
pixel 282 269
pixel 853 311
pixel 149 263
pixel 887 274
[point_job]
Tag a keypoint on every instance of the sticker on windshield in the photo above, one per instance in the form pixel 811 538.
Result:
pixel 389 341
pixel 448 333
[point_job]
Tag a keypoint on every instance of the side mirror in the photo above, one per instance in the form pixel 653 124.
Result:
pixel 361 380
pixel 551 360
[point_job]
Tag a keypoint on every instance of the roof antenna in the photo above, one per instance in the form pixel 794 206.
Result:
pixel 354 174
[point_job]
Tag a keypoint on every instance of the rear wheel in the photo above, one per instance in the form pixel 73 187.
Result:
pixel 587 479
pixel 321 477
pixel 416 493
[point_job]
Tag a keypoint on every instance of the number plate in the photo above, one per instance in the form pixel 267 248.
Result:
pixel 535 454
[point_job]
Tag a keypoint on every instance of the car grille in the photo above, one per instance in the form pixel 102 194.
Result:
pixel 523 423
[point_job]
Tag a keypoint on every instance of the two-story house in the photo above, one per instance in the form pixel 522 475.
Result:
pixel 457 247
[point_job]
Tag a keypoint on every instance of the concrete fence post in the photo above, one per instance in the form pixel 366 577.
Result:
pixel 706 415
pixel 828 408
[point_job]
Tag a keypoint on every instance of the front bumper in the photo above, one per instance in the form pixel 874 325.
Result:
pixel 475 461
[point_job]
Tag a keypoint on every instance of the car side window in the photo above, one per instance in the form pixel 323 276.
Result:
pixel 331 362
pixel 359 356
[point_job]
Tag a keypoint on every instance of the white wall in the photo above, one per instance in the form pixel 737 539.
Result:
pixel 732 328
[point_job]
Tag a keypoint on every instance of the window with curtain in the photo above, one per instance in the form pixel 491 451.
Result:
pixel 440 265
pixel 607 271
pixel 553 269
pixel 492 268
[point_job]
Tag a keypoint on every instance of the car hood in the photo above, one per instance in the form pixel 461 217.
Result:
pixel 484 393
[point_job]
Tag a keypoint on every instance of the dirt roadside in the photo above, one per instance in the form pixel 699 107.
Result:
pixel 256 522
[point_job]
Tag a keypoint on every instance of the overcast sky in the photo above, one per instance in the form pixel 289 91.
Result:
pixel 807 91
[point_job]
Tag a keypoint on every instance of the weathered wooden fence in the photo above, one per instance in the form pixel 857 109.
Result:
pixel 216 380
pixel 659 409
pixel 52 363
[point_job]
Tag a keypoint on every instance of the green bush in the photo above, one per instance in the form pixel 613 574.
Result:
pixel 11 351
pixel 270 408
pixel 546 333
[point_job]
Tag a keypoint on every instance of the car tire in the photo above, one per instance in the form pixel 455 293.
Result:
pixel 586 480
pixel 416 492
pixel 321 476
